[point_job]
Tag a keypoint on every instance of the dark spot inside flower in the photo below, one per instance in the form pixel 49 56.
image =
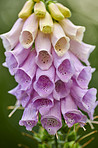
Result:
pixel 61 45
pixel 44 83
pixel 52 122
pixel 44 57
pixel 27 37
pixel 42 102
pixel 65 67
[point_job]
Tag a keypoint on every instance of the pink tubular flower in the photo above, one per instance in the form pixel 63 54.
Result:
pixel 26 72
pixel 64 67
pixel 71 113
pixel 11 38
pixel 59 40
pixel 52 120
pixel 29 31
pixel 85 98
pixel 81 50
pixel 43 47
pixel 71 30
pixel 44 83
pixel 21 95
pixel 13 58
pixel 43 104
pixel 62 89
pixel 83 73
pixel 29 118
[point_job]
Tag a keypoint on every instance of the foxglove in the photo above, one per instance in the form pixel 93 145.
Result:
pixel 45 57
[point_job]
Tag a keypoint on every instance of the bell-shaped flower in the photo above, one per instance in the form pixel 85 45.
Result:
pixel 64 66
pixel 71 30
pixel 43 104
pixel 26 72
pixel 43 48
pixel 29 31
pixel 84 77
pixel 62 89
pixel 59 40
pixel 81 50
pixel 46 23
pixel 11 38
pixel 55 12
pixel 85 98
pixel 16 57
pixel 26 10
pixel 40 9
pixel 52 121
pixel 21 95
pixel 71 113
pixel 29 118
pixel 83 73
pixel 64 10
pixel 44 84
pixel 77 92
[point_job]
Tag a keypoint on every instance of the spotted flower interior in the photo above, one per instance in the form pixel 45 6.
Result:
pixel 46 54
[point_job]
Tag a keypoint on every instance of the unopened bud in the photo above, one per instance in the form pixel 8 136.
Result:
pixel 37 1
pixel 64 10
pixel 39 9
pixel 46 23
pixel 55 12
pixel 26 10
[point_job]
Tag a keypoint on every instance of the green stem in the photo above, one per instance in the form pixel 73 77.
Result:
pixel 56 143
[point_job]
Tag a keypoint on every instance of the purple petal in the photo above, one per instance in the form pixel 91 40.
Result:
pixel 26 72
pixel 21 95
pixel 84 77
pixel 62 89
pixel 85 98
pixel 77 92
pixel 43 47
pixel 52 120
pixel 70 112
pixel 44 83
pixel 15 58
pixel 89 98
pixel 81 50
pixel 43 104
pixel 64 67
pixel 11 38
pixel 91 112
pixel 82 74
pixel 29 118
pixel 88 102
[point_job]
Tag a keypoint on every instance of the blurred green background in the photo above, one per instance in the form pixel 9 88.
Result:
pixel 84 12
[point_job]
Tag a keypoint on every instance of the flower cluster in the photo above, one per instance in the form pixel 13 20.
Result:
pixel 44 56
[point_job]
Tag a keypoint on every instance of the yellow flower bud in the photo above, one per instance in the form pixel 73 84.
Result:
pixel 55 12
pixel 46 23
pixel 64 10
pixel 40 9
pixel 37 1
pixel 26 10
